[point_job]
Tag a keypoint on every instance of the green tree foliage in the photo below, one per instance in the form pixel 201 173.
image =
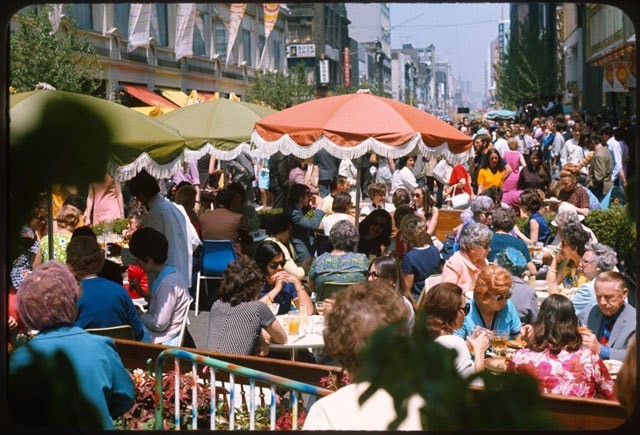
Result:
pixel 64 59
pixel 279 90
pixel 529 71
pixel 420 366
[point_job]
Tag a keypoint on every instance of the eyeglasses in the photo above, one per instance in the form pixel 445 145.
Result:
pixel 275 264
pixel 587 261
pixel 486 213
pixel 466 308
pixel 373 274
pixel 418 195
pixel 500 298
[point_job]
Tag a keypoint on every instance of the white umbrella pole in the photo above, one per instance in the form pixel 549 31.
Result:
pixel 359 170
pixel 50 220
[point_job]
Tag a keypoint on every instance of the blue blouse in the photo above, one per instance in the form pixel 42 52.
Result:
pixel 507 319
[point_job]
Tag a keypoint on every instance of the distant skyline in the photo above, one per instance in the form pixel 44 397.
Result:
pixel 460 32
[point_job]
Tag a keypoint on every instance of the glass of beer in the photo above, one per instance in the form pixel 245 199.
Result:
pixel 294 324
pixel 320 307
pixel 499 342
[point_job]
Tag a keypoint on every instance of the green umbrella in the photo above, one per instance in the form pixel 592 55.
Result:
pixel 54 120
pixel 223 123
pixel 67 138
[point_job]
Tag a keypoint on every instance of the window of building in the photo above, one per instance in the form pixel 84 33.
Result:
pixel 159 30
pixel 82 13
pixel 261 42
pixel 299 33
pixel 276 54
pixel 121 12
pixel 198 37
pixel 246 46
pixel 220 33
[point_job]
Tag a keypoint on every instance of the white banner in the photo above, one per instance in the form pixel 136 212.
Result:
pixel 185 20
pixel 236 12
pixel 270 11
pixel 55 15
pixel 139 25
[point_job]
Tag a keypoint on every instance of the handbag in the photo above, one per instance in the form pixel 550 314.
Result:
pixel 442 171
pixel 461 200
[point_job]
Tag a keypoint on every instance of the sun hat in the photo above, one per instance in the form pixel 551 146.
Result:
pixel 566 207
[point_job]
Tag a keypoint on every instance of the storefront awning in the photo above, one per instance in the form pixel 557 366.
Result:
pixel 206 95
pixel 143 94
pixel 177 97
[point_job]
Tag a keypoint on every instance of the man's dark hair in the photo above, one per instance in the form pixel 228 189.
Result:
pixel 148 243
pixel 144 183
pixel 224 198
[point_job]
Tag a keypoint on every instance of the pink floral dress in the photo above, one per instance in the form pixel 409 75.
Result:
pixel 580 374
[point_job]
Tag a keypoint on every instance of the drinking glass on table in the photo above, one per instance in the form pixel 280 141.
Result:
pixel 274 306
pixel 294 324
pixel 499 342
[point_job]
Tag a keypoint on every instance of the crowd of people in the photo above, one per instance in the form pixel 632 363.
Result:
pixel 560 165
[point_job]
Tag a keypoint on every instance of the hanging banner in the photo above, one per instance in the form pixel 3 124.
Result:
pixel 185 21
pixel 270 12
pixel 323 71
pixel 607 78
pixel 139 25
pixel 632 74
pixel 347 68
pixel 55 15
pixel 621 76
pixel 236 12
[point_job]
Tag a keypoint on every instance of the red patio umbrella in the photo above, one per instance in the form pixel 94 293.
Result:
pixel 348 126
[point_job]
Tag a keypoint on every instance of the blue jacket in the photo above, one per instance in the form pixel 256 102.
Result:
pixel 102 378
pixel 304 229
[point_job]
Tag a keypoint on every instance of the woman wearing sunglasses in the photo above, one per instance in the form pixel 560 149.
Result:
pixel 279 285
pixel 445 307
pixel 491 308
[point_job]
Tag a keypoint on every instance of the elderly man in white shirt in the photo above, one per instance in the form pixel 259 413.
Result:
pixel 167 218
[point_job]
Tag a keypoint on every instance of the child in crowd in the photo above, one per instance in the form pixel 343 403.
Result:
pixel 536 228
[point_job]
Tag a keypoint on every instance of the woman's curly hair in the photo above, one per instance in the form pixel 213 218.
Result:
pixel 357 313
pixel 241 282
pixel 84 256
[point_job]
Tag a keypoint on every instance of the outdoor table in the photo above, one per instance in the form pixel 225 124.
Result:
pixel 312 341
pixel 542 292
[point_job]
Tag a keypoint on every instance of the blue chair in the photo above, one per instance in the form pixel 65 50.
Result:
pixel 216 255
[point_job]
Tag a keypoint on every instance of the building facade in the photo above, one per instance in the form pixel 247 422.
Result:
pixel 152 68
pixel 317 37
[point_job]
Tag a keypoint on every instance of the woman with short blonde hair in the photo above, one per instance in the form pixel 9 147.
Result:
pixel 67 219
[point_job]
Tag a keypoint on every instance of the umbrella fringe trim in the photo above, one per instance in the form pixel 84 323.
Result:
pixel 286 146
pixel 127 172
pixel 167 170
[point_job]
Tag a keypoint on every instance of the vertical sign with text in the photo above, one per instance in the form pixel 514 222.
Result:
pixel 347 68
pixel 323 71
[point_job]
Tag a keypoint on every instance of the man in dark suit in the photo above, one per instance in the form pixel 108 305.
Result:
pixel 612 321
pixel 327 170
pixel 279 179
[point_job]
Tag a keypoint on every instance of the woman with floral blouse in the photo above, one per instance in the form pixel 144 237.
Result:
pixel 342 264
pixel 556 357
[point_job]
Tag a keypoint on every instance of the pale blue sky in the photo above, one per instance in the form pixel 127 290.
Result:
pixel 422 24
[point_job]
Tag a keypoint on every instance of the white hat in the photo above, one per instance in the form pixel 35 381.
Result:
pixel 567 207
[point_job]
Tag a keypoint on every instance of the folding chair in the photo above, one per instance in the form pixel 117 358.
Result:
pixel 329 288
pixel 121 331
pixel 428 284
pixel 216 255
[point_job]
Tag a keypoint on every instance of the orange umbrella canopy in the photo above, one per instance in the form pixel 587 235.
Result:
pixel 348 126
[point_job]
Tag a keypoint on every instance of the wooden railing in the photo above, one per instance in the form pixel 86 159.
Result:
pixel 571 413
